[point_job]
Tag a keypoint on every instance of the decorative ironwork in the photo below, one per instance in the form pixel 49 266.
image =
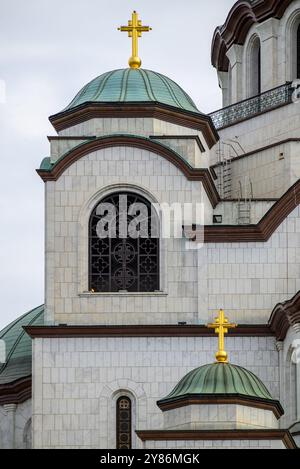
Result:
pixel 250 107
pixel 123 423
pixel 129 263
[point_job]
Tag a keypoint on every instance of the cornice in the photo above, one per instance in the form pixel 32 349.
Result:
pixel 210 399
pixel 189 435
pixel 16 392
pixel 140 110
pixel 35 332
pixel 236 27
pixel 192 174
pixel 260 232
pixel 284 316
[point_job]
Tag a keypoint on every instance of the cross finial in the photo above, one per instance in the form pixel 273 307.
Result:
pixel 135 30
pixel 221 326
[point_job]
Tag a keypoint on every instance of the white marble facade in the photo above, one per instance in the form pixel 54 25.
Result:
pixel 248 279
pixel 77 381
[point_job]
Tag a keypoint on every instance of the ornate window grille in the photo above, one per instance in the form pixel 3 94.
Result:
pixel 124 423
pixel 124 263
pixel 253 106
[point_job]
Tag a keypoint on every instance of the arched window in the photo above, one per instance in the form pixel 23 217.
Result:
pixel 255 68
pixel 298 51
pixel 123 419
pixel 124 245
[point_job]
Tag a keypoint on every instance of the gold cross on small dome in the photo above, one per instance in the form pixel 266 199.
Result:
pixel 221 326
pixel 135 30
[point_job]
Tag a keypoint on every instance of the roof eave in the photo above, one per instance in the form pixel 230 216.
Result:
pixel 89 110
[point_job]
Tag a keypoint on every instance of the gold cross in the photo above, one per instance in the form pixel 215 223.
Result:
pixel 221 326
pixel 135 30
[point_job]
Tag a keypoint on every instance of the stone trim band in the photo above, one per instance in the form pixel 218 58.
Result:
pixel 284 316
pixel 260 232
pixel 263 230
pixel 173 435
pixel 274 406
pixel 86 111
pixel 142 331
pixel 142 143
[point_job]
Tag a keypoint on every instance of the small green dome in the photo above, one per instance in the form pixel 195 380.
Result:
pixel 18 346
pixel 130 85
pixel 219 379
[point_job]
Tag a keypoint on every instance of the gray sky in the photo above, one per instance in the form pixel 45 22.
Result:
pixel 49 49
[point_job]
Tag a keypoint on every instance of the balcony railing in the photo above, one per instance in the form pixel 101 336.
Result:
pixel 253 106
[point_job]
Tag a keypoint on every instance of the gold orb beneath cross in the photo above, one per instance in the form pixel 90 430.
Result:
pixel 221 356
pixel 134 62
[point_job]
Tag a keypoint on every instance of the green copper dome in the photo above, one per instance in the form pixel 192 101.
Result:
pixel 18 346
pixel 219 379
pixel 130 85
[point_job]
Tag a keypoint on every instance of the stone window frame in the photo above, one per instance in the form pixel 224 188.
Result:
pixel 250 47
pixel 83 242
pixel 118 418
pixel 108 401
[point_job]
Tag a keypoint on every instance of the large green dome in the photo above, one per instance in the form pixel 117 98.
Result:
pixel 18 346
pixel 219 379
pixel 134 85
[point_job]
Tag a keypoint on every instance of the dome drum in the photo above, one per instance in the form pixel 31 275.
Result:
pixel 222 414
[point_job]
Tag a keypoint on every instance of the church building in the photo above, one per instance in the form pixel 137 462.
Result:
pixel 187 339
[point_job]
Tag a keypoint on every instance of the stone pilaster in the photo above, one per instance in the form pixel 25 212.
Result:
pixel 268 33
pixel 296 359
pixel 224 84
pixel 234 55
pixel 9 435
pixel 279 346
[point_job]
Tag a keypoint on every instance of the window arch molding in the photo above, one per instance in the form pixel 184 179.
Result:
pixel 108 400
pixel 83 234
pixel 124 249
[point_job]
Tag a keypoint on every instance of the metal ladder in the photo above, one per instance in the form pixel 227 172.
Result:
pixel 227 179
pixel 225 174
pixel 244 203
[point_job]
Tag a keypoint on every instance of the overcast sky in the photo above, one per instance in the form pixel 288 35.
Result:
pixel 49 49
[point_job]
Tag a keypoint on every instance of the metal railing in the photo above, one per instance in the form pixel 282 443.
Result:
pixel 263 102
